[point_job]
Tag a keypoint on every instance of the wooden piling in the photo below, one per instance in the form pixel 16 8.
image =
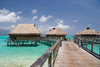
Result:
pixel 10 43
pixel 7 43
pixel 35 42
pixel 31 42
pixel 19 43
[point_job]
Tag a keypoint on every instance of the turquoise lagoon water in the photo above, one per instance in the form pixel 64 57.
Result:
pixel 71 38
pixel 96 47
pixel 23 56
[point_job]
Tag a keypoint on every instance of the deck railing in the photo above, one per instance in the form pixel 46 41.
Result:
pixel 50 54
pixel 89 46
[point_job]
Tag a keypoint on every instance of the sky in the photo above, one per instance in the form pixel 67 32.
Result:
pixel 70 15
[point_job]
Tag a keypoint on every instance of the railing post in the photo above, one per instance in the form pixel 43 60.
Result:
pixel 83 43
pixel 50 61
pixel 86 44
pixel 53 56
pixel 77 40
pixel 99 50
pixel 80 43
pixel 92 47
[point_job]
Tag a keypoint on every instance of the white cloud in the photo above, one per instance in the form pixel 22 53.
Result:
pixel 34 17
pixel 89 24
pixel 44 19
pixel 19 12
pixel 75 20
pixel 7 16
pixel 63 26
pixel 34 11
pixel 7 28
pixel 4 11
pixel 44 29
pixel 58 21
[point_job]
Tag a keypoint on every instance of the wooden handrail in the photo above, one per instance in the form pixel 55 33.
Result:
pixel 78 42
pixel 88 40
pixel 40 61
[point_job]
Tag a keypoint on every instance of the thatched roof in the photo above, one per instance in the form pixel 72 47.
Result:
pixel 25 29
pixel 87 31
pixel 56 31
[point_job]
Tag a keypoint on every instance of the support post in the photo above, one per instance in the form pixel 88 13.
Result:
pixel 19 43
pixel 7 43
pixel 35 42
pixel 50 61
pixel 31 42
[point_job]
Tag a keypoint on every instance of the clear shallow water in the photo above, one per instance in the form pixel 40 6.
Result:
pixel 23 56
pixel 95 47
pixel 71 38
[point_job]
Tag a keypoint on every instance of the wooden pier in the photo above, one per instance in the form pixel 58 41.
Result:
pixel 70 55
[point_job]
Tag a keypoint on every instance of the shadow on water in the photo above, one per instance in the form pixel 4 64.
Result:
pixel 26 45
pixel 47 45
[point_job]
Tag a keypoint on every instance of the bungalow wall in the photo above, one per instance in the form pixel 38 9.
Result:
pixel 89 36
pixel 24 37
pixel 55 36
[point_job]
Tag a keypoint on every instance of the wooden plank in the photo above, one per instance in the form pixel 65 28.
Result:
pixel 70 55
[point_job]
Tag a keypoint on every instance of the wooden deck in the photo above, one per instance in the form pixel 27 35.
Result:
pixel 70 55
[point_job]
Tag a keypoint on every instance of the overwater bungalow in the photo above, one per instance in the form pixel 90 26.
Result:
pixel 56 33
pixel 87 33
pixel 24 32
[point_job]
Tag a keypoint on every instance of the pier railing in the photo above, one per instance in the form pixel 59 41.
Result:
pixel 89 46
pixel 50 54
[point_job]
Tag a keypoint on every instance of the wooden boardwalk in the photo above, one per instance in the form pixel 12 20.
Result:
pixel 70 55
